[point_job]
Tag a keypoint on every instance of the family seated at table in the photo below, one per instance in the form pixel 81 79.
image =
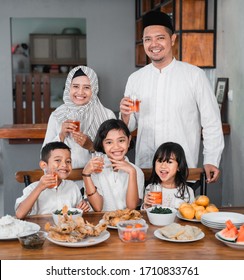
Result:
pixel 111 182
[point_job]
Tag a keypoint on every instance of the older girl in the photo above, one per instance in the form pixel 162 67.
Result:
pixel 120 185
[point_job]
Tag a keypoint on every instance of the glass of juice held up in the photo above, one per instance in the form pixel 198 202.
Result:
pixel 156 194
pixel 77 123
pixel 100 157
pixel 135 103
pixel 55 176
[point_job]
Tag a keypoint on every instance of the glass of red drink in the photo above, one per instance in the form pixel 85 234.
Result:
pixel 77 123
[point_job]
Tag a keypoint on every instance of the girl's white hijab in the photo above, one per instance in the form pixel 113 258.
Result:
pixel 90 115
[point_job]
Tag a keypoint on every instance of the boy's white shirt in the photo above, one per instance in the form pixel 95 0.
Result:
pixel 49 200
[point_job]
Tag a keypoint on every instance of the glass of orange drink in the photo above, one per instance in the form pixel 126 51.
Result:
pixel 55 176
pixel 100 161
pixel 135 103
pixel 156 194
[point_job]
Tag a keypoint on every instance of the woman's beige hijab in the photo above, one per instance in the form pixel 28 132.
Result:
pixel 90 115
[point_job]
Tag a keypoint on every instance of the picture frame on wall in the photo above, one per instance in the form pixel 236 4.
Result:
pixel 221 92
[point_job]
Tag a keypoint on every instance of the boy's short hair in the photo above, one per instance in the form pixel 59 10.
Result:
pixel 46 150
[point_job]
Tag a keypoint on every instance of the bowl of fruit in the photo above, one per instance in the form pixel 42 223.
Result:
pixel 132 230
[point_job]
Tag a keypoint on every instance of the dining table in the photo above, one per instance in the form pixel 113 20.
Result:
pixel 207 248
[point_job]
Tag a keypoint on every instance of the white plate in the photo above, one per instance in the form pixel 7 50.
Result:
pixel 28 227
pixel 89 241
pixel 159 235
pixel 222 217
pixel 213 226
pixel 111 227
pixel 229 243
pixel 190 220
pixel 115 227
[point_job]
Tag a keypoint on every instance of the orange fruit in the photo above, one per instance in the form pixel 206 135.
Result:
pixel 127 235
pixel 199 213
pixel 199 207
pixel 212 208
pixel 183 204
pixel 193 204
pixel 187 212
pixel 202 200
pixel 138 225
pixel 142 236
pixel 134 234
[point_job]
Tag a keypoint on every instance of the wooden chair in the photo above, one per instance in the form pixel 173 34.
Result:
pixel 32 98
pixel 29 176
pixel 195 174
pixel 196 179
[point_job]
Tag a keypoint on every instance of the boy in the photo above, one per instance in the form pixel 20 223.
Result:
pixel 51 192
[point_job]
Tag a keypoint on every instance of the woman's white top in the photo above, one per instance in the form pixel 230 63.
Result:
pixel 79 155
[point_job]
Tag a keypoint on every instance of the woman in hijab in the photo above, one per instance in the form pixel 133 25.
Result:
pixel 82 104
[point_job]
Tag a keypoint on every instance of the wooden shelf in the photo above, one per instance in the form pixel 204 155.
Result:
pixel 30 132
pixel 23 133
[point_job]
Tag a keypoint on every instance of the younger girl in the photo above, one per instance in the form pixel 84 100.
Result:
pixel 120 185
pixel 170 170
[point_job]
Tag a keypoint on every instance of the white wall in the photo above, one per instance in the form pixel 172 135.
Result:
pixel 110 52
pixel 230 62
pixel 110 41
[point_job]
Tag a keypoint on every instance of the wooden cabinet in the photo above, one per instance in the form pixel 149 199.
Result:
pixel 53 49
pixel 195 26
pixel 41 50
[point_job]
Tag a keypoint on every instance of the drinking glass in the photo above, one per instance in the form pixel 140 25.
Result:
pixel 156 194
pixel 100 157
pixel 135 103
pixel 77 123
pixel 75 120
pixel 55 175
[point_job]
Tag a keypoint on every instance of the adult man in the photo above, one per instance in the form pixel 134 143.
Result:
pixel 177 102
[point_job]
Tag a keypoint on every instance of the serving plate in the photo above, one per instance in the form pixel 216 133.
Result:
pixel 28 226
pixel 108 226
pixel 159 235
pixel 89 241
pixel 231 244
pixel 185 219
